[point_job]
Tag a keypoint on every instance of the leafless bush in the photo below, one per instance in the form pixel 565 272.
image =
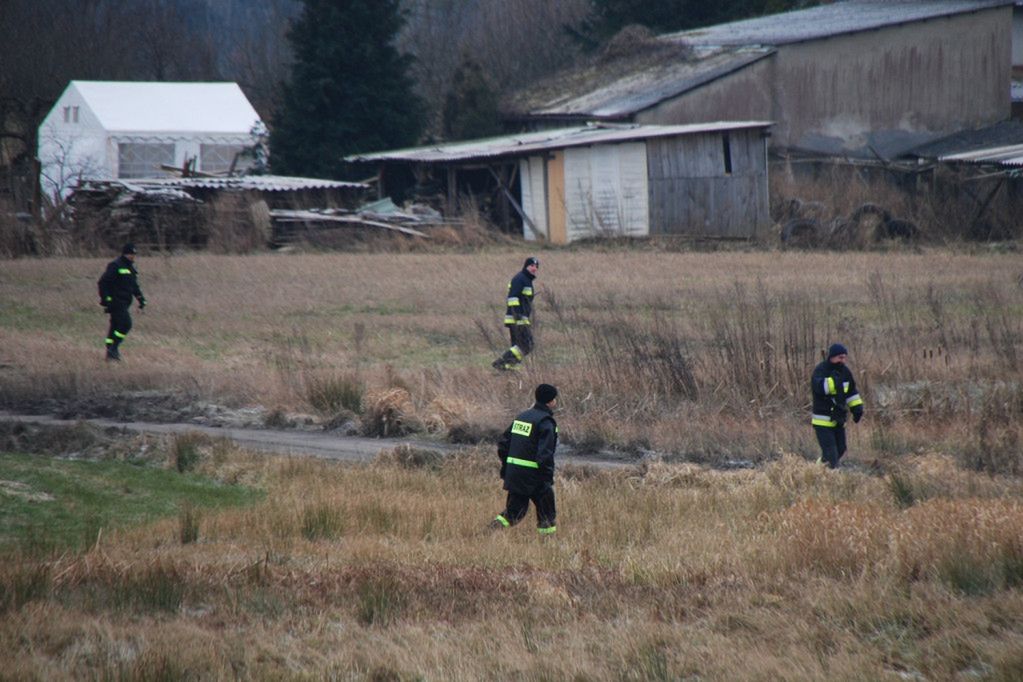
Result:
pixel 17 236
pixel 763 345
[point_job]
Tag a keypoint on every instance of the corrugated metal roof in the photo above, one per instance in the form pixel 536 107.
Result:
pixel 1011 155
pixel 833 19
pixel 531 143
pixel 263 183
pixel 1002 134
pixel 620 97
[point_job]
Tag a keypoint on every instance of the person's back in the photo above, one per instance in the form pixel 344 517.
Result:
pixel 526 450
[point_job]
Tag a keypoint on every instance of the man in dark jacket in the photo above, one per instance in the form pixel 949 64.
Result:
pixel 117 286
pixel 834 394
pixel 517 316
pixel 527 463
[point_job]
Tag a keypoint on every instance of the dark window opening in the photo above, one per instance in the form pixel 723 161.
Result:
pixel 726 147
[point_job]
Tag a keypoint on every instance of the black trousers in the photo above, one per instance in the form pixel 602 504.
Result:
pixel 832 442
pixel 543 499
pixel 521 343
pixel 120 324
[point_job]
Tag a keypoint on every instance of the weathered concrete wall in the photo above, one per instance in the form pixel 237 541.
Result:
pixel 893 88
pixel 744 95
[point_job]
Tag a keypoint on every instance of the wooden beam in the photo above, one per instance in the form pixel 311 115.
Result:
pixel 290 216
pixel 518 209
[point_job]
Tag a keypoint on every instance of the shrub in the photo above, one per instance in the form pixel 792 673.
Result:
pixel 23 583
pixel 380 602
pixel 186 452
pixel 322 522
pixel 188 524
pixel 329 395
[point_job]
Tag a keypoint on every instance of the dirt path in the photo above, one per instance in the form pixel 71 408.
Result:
pixel 294 442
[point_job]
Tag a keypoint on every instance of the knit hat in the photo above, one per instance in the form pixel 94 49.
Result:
pixel 129 249
pixel 532 260
pixel 837 349
pixel 545 393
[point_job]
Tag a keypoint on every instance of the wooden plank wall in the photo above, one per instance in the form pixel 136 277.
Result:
pixel 691 193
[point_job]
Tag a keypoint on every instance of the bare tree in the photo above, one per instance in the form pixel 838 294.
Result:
pixel 514 42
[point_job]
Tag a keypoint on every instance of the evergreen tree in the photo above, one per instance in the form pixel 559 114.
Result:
pixel 350 89
pixel 471 108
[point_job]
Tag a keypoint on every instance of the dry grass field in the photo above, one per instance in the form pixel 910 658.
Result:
pixel 905 564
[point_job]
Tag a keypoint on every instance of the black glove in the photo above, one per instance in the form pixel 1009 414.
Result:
pixel 142 302
pixel 857 416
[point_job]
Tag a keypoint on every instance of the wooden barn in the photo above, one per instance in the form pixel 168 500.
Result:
pixel 604 180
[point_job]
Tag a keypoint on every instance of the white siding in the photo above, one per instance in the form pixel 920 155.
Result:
pixel 606 190
pixel 534 194
pixel 71 150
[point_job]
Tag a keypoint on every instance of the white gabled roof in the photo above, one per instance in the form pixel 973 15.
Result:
pixel 152 107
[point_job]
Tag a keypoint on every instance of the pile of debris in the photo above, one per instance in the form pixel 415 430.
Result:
pixel 803 224
pixel 385 214
pixel 227 212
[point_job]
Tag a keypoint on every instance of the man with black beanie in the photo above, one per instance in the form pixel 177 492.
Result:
pixel 527 464
pixel 834 393
pixel 118 284
pixel 517 316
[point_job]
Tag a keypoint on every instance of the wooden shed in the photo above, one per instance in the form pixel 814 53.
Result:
pixel 606 180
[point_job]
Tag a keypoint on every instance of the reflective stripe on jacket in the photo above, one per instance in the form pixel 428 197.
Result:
pixel 834 394
pixel 119 282
pixel 520 299
pixel 527 450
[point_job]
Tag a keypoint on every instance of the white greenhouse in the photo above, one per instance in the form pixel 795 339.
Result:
pixel 105 130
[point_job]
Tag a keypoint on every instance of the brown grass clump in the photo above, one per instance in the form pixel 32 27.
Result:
pixel 390 413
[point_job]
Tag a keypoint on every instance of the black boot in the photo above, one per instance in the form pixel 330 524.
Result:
pixel 113 354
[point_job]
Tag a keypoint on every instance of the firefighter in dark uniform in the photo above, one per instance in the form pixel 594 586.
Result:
pixel 527 464
pixel 517 316
pixel 834 396
pixel 118 285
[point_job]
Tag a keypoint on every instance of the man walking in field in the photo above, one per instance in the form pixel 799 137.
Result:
pixel 118 284
pixel 527 464
pixel 834 394
pixel 517 316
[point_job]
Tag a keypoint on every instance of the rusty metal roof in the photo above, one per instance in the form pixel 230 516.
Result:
pixel 262 183
pixel 526 144
pixel 824 21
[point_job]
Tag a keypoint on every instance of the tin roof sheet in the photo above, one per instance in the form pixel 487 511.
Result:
pixel 617 89
pixel 1001 134
pixel 832 19
pixel 263 183
pixel 1010 155
pixel 530 143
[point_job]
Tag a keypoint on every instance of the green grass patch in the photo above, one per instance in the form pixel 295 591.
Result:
pixel 51 504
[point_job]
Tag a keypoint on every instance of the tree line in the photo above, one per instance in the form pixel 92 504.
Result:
pixel 330 77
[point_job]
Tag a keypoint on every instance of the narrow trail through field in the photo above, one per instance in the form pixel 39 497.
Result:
pixel 294 442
